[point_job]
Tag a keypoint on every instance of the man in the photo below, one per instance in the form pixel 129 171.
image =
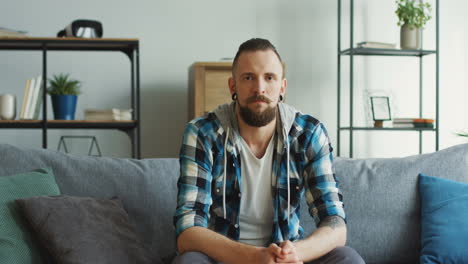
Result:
pixel 245 168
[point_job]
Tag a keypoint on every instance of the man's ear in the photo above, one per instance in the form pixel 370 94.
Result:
pixel 283 87
pixel 232 85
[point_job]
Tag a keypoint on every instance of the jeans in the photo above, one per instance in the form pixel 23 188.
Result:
pixel 339 255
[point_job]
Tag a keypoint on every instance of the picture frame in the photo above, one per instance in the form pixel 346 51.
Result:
pixel 380 108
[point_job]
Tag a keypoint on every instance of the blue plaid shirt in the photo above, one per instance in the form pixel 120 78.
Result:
pixel 201 182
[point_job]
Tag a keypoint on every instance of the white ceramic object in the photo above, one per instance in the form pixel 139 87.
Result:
pixel 7 106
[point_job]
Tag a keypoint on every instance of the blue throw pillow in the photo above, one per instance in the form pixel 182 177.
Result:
pixel 444 215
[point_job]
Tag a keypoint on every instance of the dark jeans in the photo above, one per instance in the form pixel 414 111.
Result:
pixel 340 255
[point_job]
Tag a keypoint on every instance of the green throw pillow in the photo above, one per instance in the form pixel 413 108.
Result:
pixel 16 245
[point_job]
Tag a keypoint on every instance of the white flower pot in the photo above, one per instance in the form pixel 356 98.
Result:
pixel 410 37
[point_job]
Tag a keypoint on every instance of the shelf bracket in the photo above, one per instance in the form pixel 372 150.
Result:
pixel 129 53
pixel 128 132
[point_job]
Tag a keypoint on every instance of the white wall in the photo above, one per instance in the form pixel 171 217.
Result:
pixel 174 34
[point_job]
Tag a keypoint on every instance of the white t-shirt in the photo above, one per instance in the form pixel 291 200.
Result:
pixel 256 206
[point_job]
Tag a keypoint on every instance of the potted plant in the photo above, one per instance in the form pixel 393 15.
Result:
pixel 412 16
pixel 64 94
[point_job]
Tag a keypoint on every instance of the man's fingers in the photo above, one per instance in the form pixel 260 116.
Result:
pixel 287 247
pixel 291 258
pixel 275 249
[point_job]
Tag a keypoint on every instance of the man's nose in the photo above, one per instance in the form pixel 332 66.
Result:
pixel 260 86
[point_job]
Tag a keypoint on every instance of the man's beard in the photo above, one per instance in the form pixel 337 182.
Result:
pixel 255 119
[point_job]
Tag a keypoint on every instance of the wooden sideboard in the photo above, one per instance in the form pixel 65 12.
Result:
pixel 208 86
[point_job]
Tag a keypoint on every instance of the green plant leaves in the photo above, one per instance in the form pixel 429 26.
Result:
pixel 461 134
pixel 413 13
pixel 61 85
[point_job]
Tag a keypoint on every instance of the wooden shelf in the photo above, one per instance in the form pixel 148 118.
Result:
pixel 70 44
pixel 128 46
pixel 72 124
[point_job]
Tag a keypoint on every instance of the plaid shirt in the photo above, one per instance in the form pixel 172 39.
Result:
pixel 201 182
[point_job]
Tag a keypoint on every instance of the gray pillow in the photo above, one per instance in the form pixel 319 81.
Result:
pixel 85 230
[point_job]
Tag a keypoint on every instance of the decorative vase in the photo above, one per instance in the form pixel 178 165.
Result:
pixel 64 106
pixel 7 106
pixel 410 37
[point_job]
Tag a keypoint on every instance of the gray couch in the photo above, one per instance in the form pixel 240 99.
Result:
pixel 380 195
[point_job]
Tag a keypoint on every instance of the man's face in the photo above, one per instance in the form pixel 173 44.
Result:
pixel 258 81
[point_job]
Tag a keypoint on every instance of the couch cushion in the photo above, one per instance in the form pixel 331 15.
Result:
pixel 382 203
pixel 444 220
pixel 85 230
pixel 16 243
pixel 147 188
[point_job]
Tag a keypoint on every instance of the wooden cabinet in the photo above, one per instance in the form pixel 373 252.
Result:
pixel 208 87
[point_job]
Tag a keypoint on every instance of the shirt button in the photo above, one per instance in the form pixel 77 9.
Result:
pixel 297 187
pixel 236 225
pixel 240 195
pixel 233 164
pixel 217 190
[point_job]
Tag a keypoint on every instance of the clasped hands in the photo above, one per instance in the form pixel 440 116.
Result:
pixel 284 253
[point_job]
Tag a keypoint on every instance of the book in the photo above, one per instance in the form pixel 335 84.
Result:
pixel 112 114
pixel 5 32
pixel 32 84
pixel 413 122
pixel 37 110
pixel 23 105
pixel 376 45
pixel 403 120
pixel 35 97
pixel 403 125
pixel 423 121
pixel 424 125
pixel 414 125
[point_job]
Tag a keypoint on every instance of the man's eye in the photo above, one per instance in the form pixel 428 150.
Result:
pixel 269 78
pixel 249 78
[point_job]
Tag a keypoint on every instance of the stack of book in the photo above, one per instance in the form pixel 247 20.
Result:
pixel 413 122
pixel 32 99
pixel 113 114
pixel 376 45
pixel 5 32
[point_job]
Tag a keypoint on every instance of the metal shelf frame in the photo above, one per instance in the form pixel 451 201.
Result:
pixel 351 52
pixel 129 47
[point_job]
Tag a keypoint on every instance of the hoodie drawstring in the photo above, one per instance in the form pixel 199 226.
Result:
pixel 224 176
pixel 287 173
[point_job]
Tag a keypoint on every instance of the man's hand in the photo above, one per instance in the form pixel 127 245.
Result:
pixel 267 255
pixel 288 254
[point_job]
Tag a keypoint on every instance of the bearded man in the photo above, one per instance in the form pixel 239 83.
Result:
pixel 245 168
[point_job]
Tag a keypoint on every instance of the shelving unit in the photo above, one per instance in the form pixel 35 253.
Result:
pixel 351 52
pixel 130 47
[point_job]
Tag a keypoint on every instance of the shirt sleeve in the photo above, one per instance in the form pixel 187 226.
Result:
pixel 322 193
pixel 194 184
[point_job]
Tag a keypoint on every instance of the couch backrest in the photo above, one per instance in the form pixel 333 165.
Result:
pixel 383 204
pixel 380 195
pixel 146 187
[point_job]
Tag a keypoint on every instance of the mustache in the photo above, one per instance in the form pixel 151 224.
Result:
pixel 258 98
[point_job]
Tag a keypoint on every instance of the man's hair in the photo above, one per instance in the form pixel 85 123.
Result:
pixel 255 44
